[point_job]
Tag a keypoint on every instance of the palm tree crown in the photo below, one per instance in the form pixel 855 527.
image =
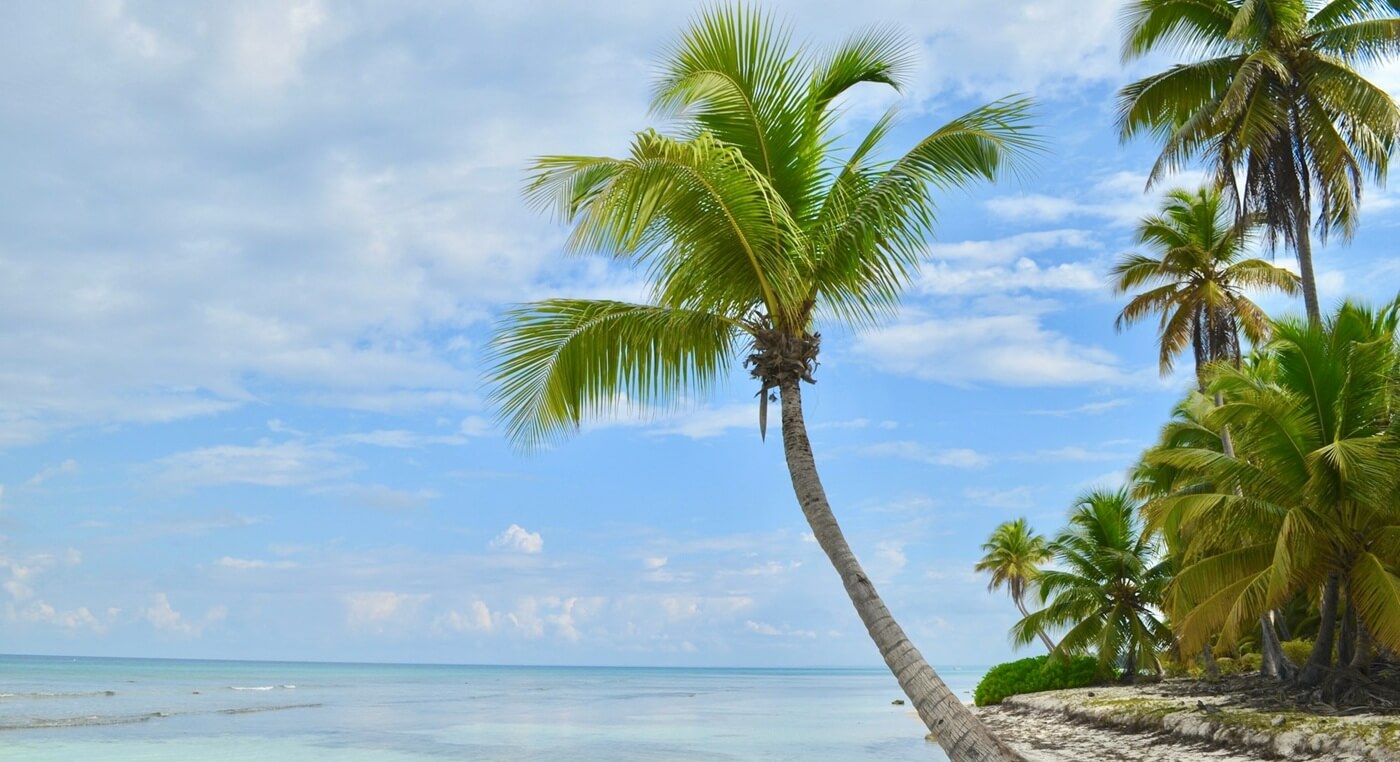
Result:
pixel 746 220
pixel 1014 554
pixel 1198 280
pixel 1275 94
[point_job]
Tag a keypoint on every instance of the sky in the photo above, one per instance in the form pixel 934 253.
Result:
pixel 250 256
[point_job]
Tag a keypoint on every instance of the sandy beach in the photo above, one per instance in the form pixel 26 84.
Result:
pixel 1046 737
pixel 1180 721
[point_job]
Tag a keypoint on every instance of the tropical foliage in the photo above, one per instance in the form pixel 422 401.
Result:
pixel 1034 675
pixel 1105 587
pixel 1272 101
pixel 1308 500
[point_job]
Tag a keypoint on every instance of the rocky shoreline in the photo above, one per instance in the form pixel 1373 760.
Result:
pixel 1181 721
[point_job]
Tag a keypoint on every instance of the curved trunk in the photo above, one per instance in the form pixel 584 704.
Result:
pixel 949 721
pixel 1049 645
pixel 1302 242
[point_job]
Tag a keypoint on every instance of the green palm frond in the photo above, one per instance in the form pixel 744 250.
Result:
pixel 868 246
pixel 555 362
pixel 1375 591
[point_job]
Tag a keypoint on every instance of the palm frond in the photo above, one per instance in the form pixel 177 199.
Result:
pixel 556 362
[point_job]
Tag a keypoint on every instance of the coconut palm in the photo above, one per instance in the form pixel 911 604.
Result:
pixel 1107 589
pixel 1274 94
pixel 1310 495
pixel 752 231
pixel 1196 281
pixel 1014 555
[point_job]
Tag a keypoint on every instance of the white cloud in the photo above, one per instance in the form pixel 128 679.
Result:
pixel 768 630
pixel 940 279
pixel 953 457
pixel 1120 198
pixel 268 464
pixel 1009 350
pixel 398 439
pixel 80 618
pixel 1013 498
pixel 708 422
pixel 477 618
pixel 376 609
pixel 378 497
pixel 516 538
pixel 66 468
pixel 248 564
pixel 269 41
pixel 162 616
pixel 889 559
pixel 1088 408
pixel 1011 248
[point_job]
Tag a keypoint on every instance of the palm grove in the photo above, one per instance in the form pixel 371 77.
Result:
pixel 754 230
pixel 1265 522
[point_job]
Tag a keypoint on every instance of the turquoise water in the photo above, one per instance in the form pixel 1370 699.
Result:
pixel 60 708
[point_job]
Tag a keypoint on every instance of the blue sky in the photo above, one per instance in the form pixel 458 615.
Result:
pixel 249 256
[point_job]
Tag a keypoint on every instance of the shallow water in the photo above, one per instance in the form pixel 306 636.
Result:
pixel 59 708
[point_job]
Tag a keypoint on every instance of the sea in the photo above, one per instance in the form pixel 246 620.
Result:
pixel 67 708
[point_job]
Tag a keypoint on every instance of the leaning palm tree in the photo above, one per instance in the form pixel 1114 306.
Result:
pixel 1274 94
pixel 1108 588
pixel 1197 280
pixel 1014 555
pixel 752 230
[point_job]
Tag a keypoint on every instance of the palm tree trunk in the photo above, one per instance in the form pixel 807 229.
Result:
pixel 1303 243
pixel 951 723
pixel 1361 659
pixel 1049 645
pixel 1209 663
pixel 1276 663
pixel 1356 637
pixel 1321 658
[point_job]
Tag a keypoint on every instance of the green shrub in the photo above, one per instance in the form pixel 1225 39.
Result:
pixel 1033 675
pixel 1226 665
pixel 1250 662
pixel 1298 651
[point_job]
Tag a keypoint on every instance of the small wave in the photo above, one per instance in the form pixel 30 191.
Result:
pixel 252 687
pixel 84 721
pixel 57 694
pixel 256 709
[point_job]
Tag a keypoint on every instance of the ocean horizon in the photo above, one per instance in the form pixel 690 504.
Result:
pixel 130 708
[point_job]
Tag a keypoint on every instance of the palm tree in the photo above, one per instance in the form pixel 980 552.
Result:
pixel 1275 95
pixel 1197 281
pixel 1309 497
pixel 751 230
pixel 1014 555
pixel 1107 591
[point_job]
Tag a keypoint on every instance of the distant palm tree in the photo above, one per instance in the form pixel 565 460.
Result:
pixel 1014 555
pixel 1108 590
pixel 1276 95
pixel 1197 281
pixel 751 229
